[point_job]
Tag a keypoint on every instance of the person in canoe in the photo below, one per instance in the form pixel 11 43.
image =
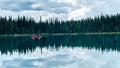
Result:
pixel 36 36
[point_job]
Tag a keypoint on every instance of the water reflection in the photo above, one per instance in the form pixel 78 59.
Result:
pixel 85 51
pixel 27 44
pixel 64 58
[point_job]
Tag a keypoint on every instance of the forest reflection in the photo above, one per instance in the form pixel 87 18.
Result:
pixel 27 44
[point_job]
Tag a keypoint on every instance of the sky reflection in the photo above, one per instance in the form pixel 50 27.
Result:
pixel 64 58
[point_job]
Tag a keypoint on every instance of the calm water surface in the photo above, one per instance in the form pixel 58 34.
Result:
pixel 79 51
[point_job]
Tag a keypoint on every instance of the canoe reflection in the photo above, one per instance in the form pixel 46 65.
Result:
pixel 25 44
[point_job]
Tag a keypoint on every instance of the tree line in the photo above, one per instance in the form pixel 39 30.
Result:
pixel 23 25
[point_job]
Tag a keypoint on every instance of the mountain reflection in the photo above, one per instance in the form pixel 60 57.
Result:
pixel 27 44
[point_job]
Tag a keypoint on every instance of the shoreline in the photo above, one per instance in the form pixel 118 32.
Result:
pixel 87 33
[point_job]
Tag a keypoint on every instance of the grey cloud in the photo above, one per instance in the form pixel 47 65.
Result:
pixel 55 8
pixel 15 6
pixel 21 63
pixel 75 58
pixel 50 6
pixel 50 62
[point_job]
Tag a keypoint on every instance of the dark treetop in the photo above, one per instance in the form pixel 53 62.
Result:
pixel 23 25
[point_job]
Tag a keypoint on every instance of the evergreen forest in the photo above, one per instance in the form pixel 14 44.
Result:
pixel 23 25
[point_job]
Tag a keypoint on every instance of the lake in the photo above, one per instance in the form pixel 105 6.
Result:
pixel 61 51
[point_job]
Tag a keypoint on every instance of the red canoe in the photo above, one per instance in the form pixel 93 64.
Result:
pixel 36 37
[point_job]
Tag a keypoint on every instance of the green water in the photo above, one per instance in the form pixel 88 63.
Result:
pixel 62 51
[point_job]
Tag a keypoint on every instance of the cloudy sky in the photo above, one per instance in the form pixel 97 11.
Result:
pixel 64 58
pixel 62 9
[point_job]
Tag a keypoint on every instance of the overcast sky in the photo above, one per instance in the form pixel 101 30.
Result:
pixel 62 9
pixel 64 58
